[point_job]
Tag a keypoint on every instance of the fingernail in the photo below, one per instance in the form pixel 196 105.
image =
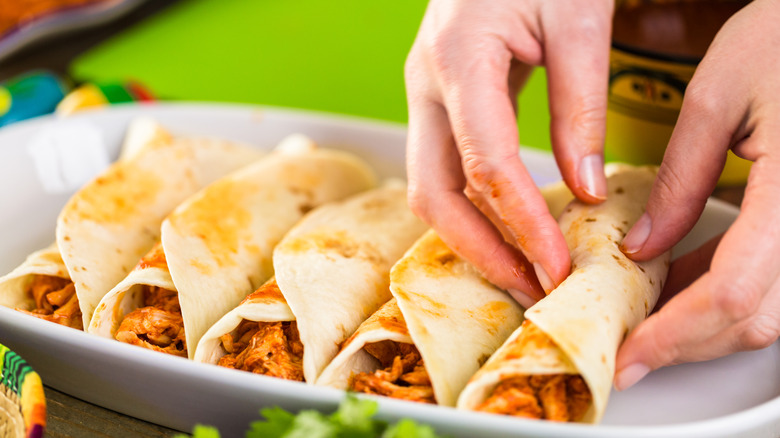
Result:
pixel 522 298
pixel 628 376
pixel 544 279
pixel 637 236
pixel 592 177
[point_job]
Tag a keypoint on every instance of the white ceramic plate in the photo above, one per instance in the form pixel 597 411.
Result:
pixel 734 396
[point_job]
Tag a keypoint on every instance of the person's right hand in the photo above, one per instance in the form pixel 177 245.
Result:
pixel 466 180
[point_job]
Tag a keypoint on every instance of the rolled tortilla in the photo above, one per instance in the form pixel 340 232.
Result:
pixel 143 309
pixel 219 243
pixel 453 316
pixel 110 223
pixel 332 273
pixel 577 329
pixel 42 287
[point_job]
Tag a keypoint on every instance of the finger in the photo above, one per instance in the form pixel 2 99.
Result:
pixel 436 186
pixel 687 268
pixel 484 125
pixel 692 163
pixel 742 272
pixel 756 332
pixel 577 60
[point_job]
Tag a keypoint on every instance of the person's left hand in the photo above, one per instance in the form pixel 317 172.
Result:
pixel 732 102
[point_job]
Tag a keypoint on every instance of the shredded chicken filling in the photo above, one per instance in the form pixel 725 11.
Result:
pixel 556 397
pixel 158 325
pixel 402 374
pixel 55 300
pixel 269 348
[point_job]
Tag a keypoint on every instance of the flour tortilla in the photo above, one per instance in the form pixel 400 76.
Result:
pixel 445 298
pixel 48 261
pixel 14 285
pixel 219 243
pixel 109 224
pixel 587 317
pixel 333 272
pixel 128 295
pixel 455 317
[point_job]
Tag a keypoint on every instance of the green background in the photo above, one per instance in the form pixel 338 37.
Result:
pixel 342 56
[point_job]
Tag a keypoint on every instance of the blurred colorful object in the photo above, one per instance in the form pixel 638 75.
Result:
pixel 26 21
pixel 30 95
pixel 94 95
pixel 22 401
pixel 17 13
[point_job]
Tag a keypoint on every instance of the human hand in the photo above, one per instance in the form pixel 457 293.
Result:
pixel 731 102
pixel 466 180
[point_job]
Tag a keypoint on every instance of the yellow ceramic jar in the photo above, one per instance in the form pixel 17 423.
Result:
pixel 656 47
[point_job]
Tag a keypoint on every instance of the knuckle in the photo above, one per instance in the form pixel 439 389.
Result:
pixel 661 347
pixel 419 202
pixel 672 187
pixel 762 332
pixel 480 170
pixel 587 122
pixel 442 51
pixel 738 299
pixel 699 100
pixel 591 27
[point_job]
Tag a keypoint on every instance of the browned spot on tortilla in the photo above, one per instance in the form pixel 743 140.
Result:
pixel 153 259
pixel 619 190
pixel 590 219
pixel 604 359
pixel 203 268
pixel 338 242
pixel 640 268
pixel 66 238
pixel 425 303
pixel 482 359
pixel 394 324
pixel 618 229
pixel 52 257
pixel 269 291
pixel 305 208
pixel 219 218
pixel 493 315
pixel 531 339
pixel 388 317
pixel 375 203
pixel 116 195
pixel 446 257
pixel 622 263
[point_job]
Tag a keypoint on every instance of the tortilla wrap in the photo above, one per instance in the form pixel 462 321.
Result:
pixel 25 288
pixel 454 317
pixel 219 244
pixel 110 223
pixel 577 329
pixel 332 273
pixel 143 309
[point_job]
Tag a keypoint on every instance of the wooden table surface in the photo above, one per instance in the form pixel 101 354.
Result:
pixel 66 415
